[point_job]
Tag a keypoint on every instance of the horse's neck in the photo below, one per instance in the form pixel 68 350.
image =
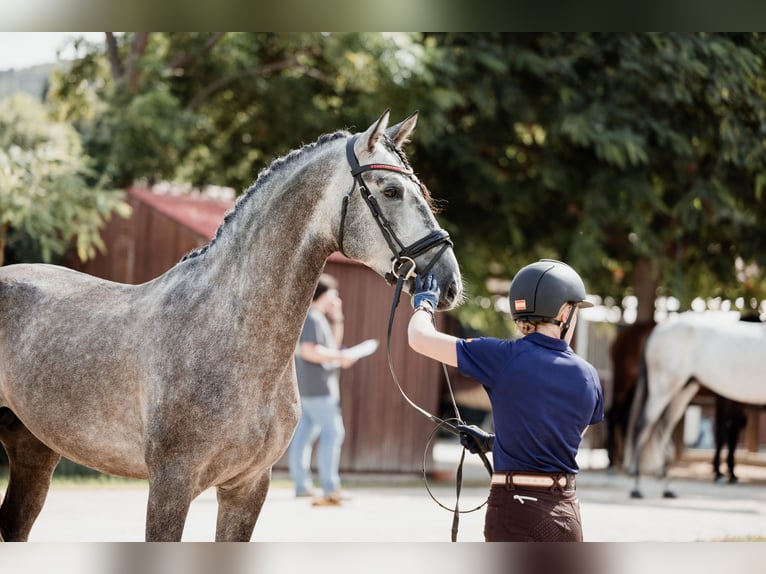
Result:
pixel 267 259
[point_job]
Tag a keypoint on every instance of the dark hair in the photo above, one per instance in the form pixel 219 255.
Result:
pixel 326 282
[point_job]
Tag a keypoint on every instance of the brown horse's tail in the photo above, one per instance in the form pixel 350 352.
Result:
pixel 636 420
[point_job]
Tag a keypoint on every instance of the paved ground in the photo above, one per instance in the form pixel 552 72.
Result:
pixel 398 510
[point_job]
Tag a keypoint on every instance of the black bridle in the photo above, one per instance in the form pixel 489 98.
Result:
pixel 403 267
pixel 403 260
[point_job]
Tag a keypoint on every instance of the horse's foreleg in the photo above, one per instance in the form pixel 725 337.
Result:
pixel 31 468
pixel 239 506
pixel 720 433
pixel 170 496
pixel 733 438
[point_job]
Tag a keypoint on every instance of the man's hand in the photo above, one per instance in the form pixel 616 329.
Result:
pixel 475 439
pixel 426 293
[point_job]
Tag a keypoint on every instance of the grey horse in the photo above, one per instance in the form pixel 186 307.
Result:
pixel 188 380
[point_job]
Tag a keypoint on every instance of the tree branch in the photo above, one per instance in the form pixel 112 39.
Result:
pixel 113 55
pixel 247 72
pixel 137 48
pixel 188 57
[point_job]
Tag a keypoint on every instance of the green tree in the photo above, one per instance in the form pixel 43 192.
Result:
pixel 43 191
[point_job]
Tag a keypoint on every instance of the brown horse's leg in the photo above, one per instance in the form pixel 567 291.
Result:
pixel 31 467
pixel 239 506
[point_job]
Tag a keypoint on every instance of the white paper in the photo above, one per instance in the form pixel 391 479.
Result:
pixel 363 349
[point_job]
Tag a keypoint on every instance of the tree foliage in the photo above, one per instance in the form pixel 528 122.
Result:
pixel 43 189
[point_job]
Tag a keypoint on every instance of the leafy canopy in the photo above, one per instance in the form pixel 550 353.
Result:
pixel 44 194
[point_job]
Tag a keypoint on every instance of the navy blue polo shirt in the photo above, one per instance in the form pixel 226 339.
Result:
pixel 543 396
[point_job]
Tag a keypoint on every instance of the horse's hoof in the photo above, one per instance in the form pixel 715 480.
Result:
pixel 733 480
pixel 636 494
pixel 718 478
pixel 669 494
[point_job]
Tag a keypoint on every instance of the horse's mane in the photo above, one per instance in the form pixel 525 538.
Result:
pixel 279 165
pixel 276 166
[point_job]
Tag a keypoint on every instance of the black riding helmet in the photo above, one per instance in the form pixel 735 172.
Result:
pixel 540 289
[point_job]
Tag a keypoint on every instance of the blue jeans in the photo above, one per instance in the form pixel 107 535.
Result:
pixel 320 416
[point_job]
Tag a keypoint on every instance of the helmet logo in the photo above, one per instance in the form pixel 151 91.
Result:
pixel 520 304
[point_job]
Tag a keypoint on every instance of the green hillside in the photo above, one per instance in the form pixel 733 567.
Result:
pixel 31 80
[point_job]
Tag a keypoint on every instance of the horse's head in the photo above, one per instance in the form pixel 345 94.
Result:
pixel 387 221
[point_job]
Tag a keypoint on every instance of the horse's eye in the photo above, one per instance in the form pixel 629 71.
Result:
pixel 391 192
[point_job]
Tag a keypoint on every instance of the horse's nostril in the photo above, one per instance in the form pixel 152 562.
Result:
pixel 451 294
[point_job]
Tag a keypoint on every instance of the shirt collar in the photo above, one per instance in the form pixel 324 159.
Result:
pixel 546 341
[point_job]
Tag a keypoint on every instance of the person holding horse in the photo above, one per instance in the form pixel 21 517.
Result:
pixel 543 399
pixel 318 362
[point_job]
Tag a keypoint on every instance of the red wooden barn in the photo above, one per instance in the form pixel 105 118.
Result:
pixel 383 433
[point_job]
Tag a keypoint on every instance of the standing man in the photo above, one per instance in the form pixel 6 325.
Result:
pixel 543 399
pixel 318 363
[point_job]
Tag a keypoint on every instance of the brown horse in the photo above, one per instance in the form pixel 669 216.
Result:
pixel 188 380
pixel 625 354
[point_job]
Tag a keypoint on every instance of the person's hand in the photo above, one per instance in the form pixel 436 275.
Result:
pixel 334 312
pixel 346 361
pixel 474 439
pixel 426 293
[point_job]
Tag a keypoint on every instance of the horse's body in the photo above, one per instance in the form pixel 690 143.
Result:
pixel 715 350
pixel 188 380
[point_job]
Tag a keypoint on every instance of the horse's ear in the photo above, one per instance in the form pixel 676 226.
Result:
pixel 373 133
pixel 400 133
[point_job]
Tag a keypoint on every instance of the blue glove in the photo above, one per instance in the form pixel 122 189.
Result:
pixel 426 293
pixel 474 439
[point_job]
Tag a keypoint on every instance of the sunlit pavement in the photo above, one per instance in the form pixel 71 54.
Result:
pixel 386 510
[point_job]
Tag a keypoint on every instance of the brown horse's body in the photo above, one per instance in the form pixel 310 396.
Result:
pixel 625 354
pixel 188 380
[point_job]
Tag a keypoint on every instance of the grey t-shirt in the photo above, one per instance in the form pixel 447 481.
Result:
pixel 314 379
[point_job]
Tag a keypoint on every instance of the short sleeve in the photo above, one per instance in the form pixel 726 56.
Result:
pixel 598 411
pixel 310 332
pixel 481 358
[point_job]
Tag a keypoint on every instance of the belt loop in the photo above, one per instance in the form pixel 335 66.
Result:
pixel 509 481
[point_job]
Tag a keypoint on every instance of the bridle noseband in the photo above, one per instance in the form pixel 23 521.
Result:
pixel 403 260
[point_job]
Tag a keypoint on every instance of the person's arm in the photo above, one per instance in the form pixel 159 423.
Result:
pixel 316 353
pixel 334 316
pixel 426 340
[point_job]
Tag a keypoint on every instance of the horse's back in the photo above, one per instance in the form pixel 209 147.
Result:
pixel 719 351
pixel 51 279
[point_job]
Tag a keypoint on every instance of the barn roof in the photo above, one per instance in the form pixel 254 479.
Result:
pixel 201 214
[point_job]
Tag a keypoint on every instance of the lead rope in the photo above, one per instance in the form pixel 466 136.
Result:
pixel 440 423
